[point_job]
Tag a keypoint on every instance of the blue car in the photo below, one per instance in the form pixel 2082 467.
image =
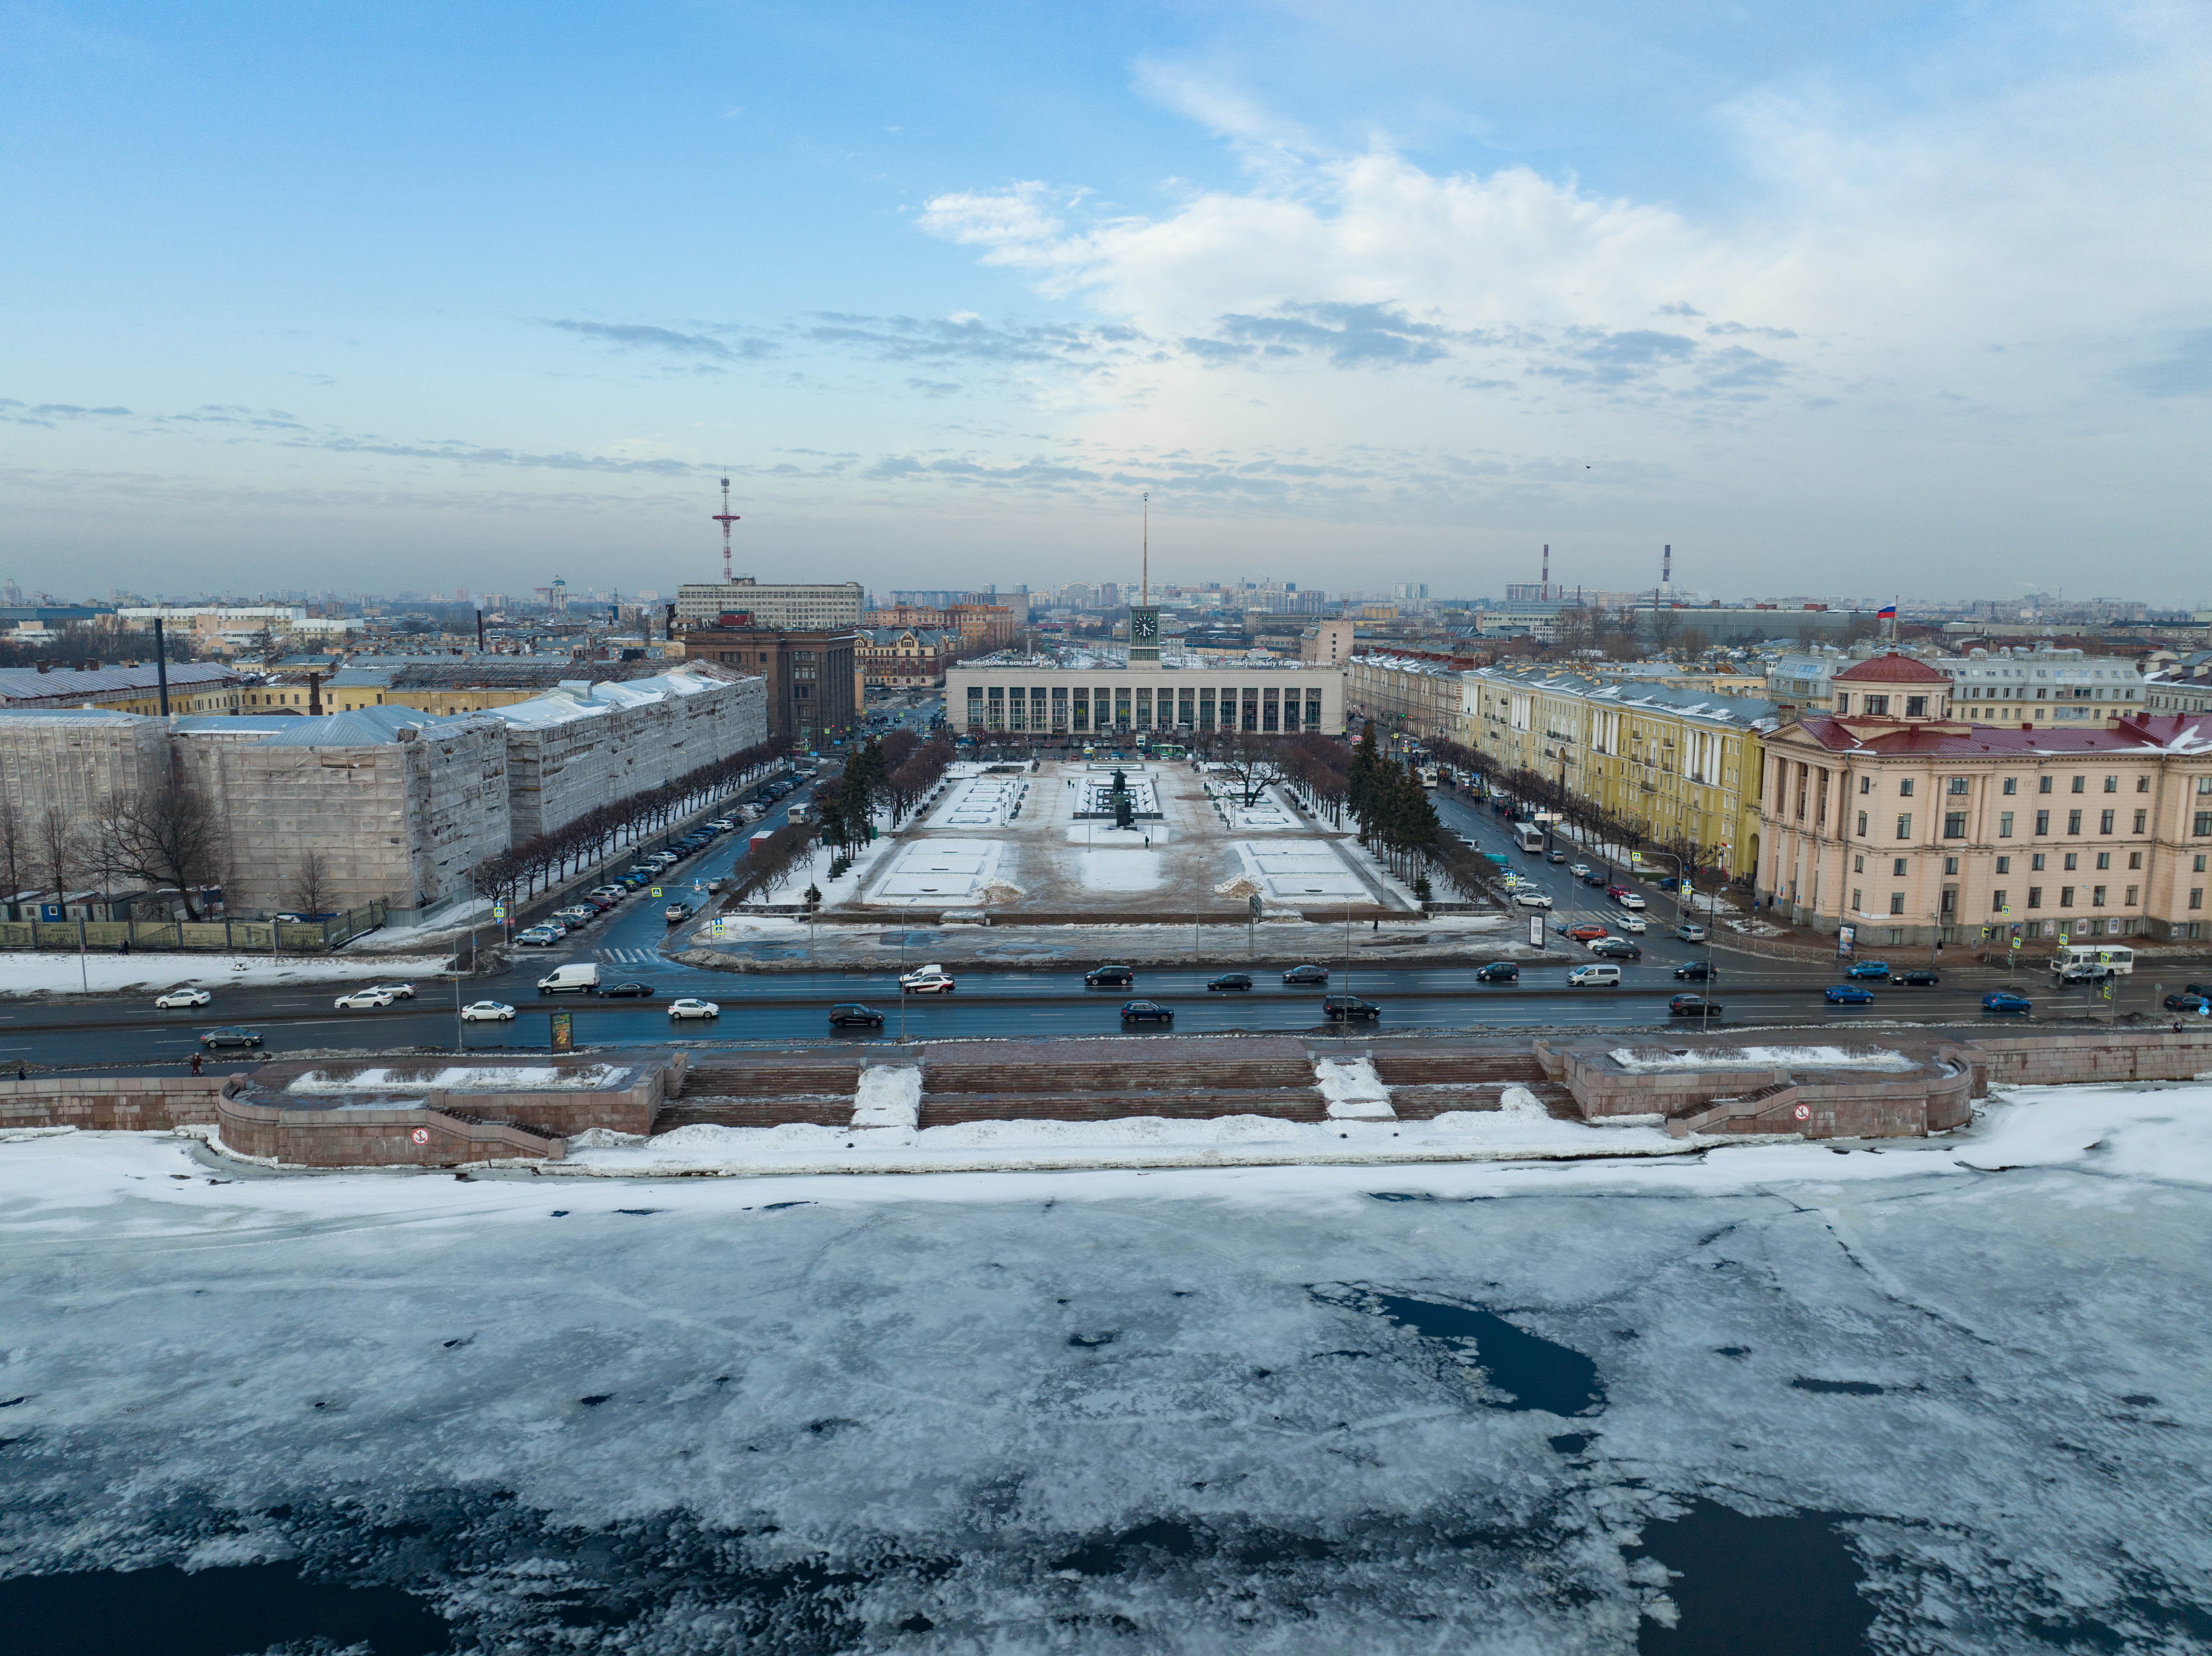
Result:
pixel 1878 970
pixel 1848 994
pixel 1145 1011
pixel 2003 1000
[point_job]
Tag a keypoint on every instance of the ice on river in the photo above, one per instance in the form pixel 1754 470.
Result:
pixel 1282 1409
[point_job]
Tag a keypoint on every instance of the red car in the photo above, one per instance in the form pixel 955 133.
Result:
pixel 1584 932
pixel 1616 892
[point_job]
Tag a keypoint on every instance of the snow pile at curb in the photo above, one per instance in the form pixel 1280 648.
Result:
pixel 466 1078
pixel 1763 1058
pixel 51 973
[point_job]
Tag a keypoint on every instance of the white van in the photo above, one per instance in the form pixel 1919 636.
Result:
pixel 1594 977
pixel 561 978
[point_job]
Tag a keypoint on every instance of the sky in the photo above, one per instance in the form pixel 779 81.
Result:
pixel 1852 297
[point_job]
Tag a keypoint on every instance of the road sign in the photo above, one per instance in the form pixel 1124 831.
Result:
pixel 1804 1111
pixel 654 892
pixel 421 1135
pixel 499 911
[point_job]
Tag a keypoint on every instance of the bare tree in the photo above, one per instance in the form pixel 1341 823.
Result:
pixel 1255 762
pixel 311 885
pixel 14 850
pixel 165 836
pixel 56 852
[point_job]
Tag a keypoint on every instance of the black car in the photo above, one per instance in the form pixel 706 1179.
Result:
pixel 1698 972
pixel 1339 1008
pixel 1307 974
pixel 230 1037
pixel 1618 948
pixel 1145 1011
pixel 847 1013
pixel 1918 977
pixel 2204 989
pixel 1109 977
pixel 1596 877
pixel 2197 1003
pixel 1230 980
pixel 628 991
pixel 1498 972
pixel 1693 1006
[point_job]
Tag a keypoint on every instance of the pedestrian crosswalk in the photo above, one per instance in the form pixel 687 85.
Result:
pixel 630 957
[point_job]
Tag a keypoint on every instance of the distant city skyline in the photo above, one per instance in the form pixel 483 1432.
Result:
pixel 1891 299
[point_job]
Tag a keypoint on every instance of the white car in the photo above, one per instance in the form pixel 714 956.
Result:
pixel 183 998
pixel 363 999
pixel 1633 922
pixel 1630 900
pixel 399 991
pixel 693 1008
pixel 487 1012
pixel 1532 900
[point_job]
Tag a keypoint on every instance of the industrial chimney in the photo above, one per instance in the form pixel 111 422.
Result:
pixel 1667 571
pixel 1544 591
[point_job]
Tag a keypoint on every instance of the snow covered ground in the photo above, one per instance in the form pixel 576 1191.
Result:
pixel 1468 1408
pixel 46 974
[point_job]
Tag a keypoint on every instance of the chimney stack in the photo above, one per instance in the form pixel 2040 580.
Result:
pixel 1544 591
pixel 1667 571
pixel 314 696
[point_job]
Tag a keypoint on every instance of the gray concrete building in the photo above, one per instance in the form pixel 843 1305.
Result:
pixel 794 606
pixel 393 805
pixel 1078 693
pixel 585 745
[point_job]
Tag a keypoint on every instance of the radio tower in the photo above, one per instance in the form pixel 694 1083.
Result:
pixel 726 517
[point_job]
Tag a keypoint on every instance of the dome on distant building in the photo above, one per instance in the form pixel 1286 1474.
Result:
pixel 1891 668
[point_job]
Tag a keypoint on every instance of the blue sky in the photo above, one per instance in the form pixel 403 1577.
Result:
pixel 1834 297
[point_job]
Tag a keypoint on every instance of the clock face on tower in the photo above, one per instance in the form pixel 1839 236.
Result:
pixel 1143 625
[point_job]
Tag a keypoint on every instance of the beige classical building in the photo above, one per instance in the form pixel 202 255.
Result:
pixel 1889 814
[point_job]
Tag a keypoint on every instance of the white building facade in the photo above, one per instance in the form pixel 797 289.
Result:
pixel 1042 697
pixel 794 606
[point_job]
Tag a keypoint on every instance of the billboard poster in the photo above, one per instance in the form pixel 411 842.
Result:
pixel 1846 938
pixel 1536 930
pixel 564 1032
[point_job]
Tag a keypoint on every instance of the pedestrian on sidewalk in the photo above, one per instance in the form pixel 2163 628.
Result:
pixel 195 1063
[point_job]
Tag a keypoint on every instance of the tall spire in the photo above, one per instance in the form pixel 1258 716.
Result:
pixel 1147 568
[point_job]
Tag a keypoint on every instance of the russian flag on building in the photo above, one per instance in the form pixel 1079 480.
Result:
pixel 1888 612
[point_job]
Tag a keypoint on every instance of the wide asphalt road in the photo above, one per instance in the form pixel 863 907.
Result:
pixel 77 1031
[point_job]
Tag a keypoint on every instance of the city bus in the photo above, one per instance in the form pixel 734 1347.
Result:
pixel 1529 836
pixel 2121 962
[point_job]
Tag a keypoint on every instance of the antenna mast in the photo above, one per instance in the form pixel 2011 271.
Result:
pixel 726 517
pixel 1147 568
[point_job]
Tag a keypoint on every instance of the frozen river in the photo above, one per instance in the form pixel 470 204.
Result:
pixel 1947 1397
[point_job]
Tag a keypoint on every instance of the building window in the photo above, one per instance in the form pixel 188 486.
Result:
pixel 2135 860
pixel 2066 896
pixel 1957 785
pixel 1950 903
pixel 1862 825
pixel 1904 825
pixel 2004 864
pixel 1904 788
pixel 1858 903
pixel 1877 706
pixel 1950 864
pixel 1954 825
pixel 2035 896
pixel 2204 824
pixel 1843 702
pixel 2043 822
pixel 2104 859
pixel 1916 707
pixel 2073 861
pixel 2043 784
pixel 2105 821
pixel 1866 785
pixel 2073 821
pixel 1897 902
pixel 1858 866
pixel 2081 785
pixel 2196 896
pixel 2111 785
pixel 2130 902
pixel 2035 863
pixel 1897 867
pixel 2004 825
pixel 2096 896
pixel 2010 786
pixel 1997 903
